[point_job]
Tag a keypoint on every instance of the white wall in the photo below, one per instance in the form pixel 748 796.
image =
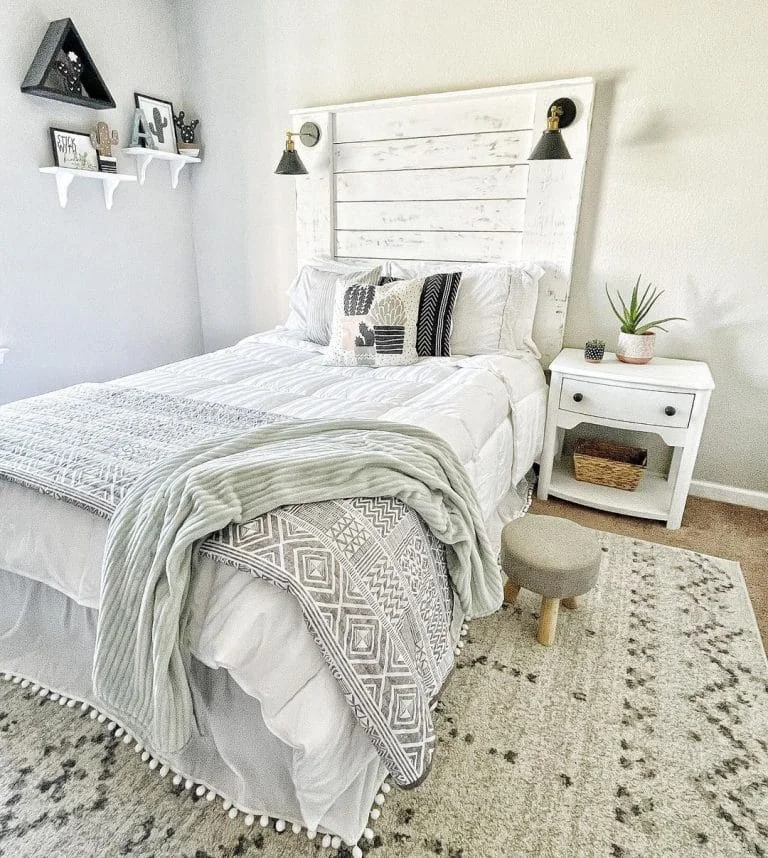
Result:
pixel 87 294
pixel 676 186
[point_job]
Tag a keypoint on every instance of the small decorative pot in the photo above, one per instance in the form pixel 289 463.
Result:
pixel 192 149
pixel 594 351
pixel 389 339
pixel 635 348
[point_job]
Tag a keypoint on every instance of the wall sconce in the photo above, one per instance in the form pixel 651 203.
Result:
pixel 290 163
pixel 551 146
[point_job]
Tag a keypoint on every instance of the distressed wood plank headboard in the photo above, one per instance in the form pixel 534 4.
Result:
pixel 444 178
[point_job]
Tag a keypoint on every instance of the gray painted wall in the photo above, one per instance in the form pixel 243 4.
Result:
pixel 87 294
pixel 664 196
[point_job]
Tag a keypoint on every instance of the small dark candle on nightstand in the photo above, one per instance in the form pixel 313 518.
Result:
pixel 594 351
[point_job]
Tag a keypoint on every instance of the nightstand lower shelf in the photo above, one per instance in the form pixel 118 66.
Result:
pixel 651 499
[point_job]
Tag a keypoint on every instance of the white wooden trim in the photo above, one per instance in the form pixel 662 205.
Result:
pixel 394 179
pixel 729 494
pixel 454 95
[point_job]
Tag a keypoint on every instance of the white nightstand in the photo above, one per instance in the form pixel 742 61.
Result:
pixel 667 397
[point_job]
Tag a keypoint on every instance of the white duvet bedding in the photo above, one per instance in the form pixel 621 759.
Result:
pixel 491 411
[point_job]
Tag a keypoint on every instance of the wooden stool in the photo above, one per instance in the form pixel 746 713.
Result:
pixel 553 557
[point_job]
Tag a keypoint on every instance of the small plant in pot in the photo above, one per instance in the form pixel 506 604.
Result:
pixel 637 339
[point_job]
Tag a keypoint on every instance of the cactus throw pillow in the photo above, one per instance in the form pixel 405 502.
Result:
pixel 375 325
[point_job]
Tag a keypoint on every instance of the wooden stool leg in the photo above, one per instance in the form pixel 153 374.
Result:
pixel 547 621
pixel 570 603
pixel 510 592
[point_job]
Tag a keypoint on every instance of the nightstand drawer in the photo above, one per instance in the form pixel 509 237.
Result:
pixel 628 404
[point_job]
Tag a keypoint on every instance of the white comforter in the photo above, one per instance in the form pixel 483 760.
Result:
pixel 491 411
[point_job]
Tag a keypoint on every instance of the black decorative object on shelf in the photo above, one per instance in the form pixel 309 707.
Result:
pixel 64 70
pixel 186 130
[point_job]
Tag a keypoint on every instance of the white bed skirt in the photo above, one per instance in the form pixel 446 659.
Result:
pixel 49 639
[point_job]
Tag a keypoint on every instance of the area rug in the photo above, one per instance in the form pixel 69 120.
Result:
pixel 643 731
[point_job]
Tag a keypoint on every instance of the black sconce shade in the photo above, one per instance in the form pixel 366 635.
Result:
pixel 290 164
pixel 551 146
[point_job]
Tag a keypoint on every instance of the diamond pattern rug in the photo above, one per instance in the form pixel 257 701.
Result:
pixel 642 732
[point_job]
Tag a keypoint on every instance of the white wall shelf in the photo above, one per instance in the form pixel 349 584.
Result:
pixel 65 176
pixel 144 157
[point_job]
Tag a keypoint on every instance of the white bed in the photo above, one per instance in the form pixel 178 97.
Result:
pixel 491 411
pixel 276 737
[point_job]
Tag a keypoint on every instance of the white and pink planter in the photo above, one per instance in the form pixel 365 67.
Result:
pixel 635 348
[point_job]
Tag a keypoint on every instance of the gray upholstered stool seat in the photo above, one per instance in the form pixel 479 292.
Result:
pixel 553 557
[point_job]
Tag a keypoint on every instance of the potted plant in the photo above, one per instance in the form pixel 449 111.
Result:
pixel 594 351
pixel 636 338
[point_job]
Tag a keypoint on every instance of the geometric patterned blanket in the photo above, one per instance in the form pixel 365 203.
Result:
pixel 370 578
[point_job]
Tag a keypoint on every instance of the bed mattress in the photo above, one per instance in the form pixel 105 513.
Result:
pixel 489 409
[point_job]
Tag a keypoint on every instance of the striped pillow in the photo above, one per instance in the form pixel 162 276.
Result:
pixel 312 298
pixel 438 296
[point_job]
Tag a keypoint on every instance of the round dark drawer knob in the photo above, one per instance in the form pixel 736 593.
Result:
pixel 577 397
pixel 670 410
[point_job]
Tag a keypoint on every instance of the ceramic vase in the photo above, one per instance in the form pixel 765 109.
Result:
pixel 635 348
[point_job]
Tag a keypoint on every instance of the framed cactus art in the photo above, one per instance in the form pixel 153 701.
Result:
pixel 159 115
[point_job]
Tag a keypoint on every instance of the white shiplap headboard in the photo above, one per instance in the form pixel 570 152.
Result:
pixel 445 178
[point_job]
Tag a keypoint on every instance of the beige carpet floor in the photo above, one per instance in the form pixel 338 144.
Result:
pixel 642 732
pixel 723 530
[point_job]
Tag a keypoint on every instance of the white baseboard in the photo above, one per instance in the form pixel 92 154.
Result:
pixel 729 494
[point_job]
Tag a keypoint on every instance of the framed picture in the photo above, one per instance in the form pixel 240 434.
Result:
pixel 159 115
pixel 74 150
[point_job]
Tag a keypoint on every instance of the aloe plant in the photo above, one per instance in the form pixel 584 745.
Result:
pixel 632 315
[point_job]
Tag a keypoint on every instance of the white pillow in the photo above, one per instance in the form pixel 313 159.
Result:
pixel 375 325
pixel 495 306
pixel 311 295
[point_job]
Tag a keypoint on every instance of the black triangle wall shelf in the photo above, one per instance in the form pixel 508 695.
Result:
pixel 54 74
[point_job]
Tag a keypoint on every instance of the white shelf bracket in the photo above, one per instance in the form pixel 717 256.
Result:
pixel 175 168
pixel 142 162
pixel 63 181
pixel 110 186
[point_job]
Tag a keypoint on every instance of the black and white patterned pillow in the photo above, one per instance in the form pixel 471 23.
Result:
pixel 375 325
pixel 438 296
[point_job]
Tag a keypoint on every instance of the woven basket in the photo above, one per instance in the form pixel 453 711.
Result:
pixel 607 464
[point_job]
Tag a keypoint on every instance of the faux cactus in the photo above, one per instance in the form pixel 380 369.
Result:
pixel 358 300
pixel 71 68
pixel 186 131
pixel 103 139
pixel 161 123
